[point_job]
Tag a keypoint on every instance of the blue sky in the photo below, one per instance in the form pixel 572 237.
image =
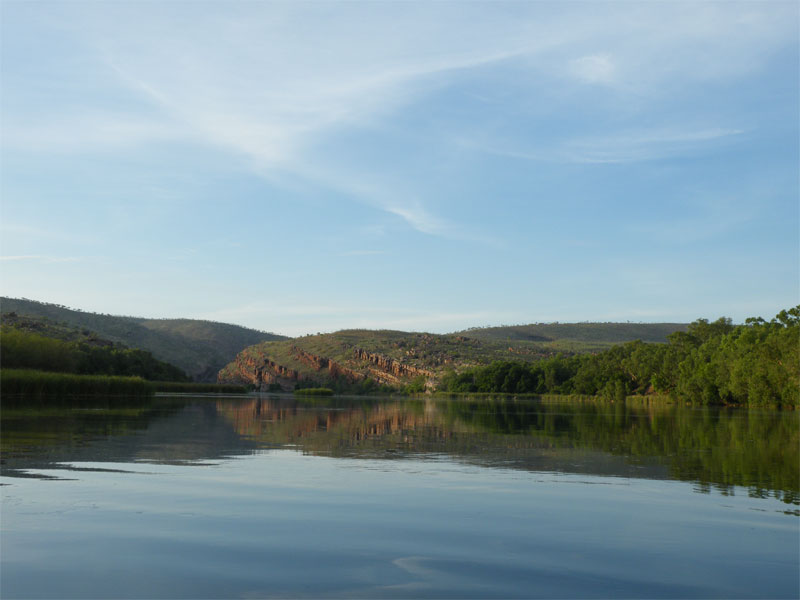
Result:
pixel 312 166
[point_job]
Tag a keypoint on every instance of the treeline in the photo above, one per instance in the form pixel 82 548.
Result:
pixel 21 349
pixel 711 363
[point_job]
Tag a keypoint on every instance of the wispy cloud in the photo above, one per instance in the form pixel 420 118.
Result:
pixel 271 82
pixel 393 196
pixel 419 218
pixel 270 114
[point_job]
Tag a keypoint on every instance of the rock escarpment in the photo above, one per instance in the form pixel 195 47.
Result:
pixel 348 361
pixel 390 365
pixel 312 360
pixel 335 370
pixel 260 372
pixel 255 367
pixel 380 368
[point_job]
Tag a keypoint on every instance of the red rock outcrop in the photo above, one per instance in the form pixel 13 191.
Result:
pixel 252 368
pixel 390 365
pixel 335 370
pixel 312 360
pixel 262 371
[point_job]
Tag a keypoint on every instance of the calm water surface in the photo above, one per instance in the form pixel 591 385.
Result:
pixel 275 497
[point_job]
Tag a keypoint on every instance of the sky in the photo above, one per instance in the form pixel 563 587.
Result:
pixel 303 167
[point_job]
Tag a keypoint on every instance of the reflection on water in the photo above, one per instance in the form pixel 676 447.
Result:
pixel 713 447
pixel 398 498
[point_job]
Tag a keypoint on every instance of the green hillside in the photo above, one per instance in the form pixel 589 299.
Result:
pixel 51 329
pixel 27 344
pixel 200 348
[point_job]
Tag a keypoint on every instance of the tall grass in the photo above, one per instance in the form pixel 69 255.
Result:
pixel 314 391
pixel 30 383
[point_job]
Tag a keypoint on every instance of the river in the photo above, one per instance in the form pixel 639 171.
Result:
pixel 272 496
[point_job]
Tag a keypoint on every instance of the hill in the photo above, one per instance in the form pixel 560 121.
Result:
pixel 353 359
pixel 591 335
pixel 348 359
pixel 360 360
pixel 200 348
pixel 39 344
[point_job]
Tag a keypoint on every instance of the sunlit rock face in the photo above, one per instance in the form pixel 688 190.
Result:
pixel 254 367
pixel 258 372
pixel 335 370
pixel 389 365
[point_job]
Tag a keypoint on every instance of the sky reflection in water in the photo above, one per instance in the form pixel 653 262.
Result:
pixel 274 498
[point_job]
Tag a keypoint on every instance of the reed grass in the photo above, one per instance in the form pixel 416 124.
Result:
pixel 315 391
pixel 29 382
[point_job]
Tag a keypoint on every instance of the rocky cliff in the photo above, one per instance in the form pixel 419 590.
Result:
pixel 390 365
pixel 258 369
pixel 259 372
pixel 364 360
pixel 318 363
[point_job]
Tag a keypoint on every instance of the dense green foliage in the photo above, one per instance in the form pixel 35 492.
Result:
pixel 710 363
pixel 31 383
pixel 200 348
pixel 417 386
pixel 21 349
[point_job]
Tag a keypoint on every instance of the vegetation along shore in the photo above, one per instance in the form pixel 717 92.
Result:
pixel 717 362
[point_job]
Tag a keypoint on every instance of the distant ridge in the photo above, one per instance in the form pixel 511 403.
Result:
pixel 613 333
pixel 200 348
